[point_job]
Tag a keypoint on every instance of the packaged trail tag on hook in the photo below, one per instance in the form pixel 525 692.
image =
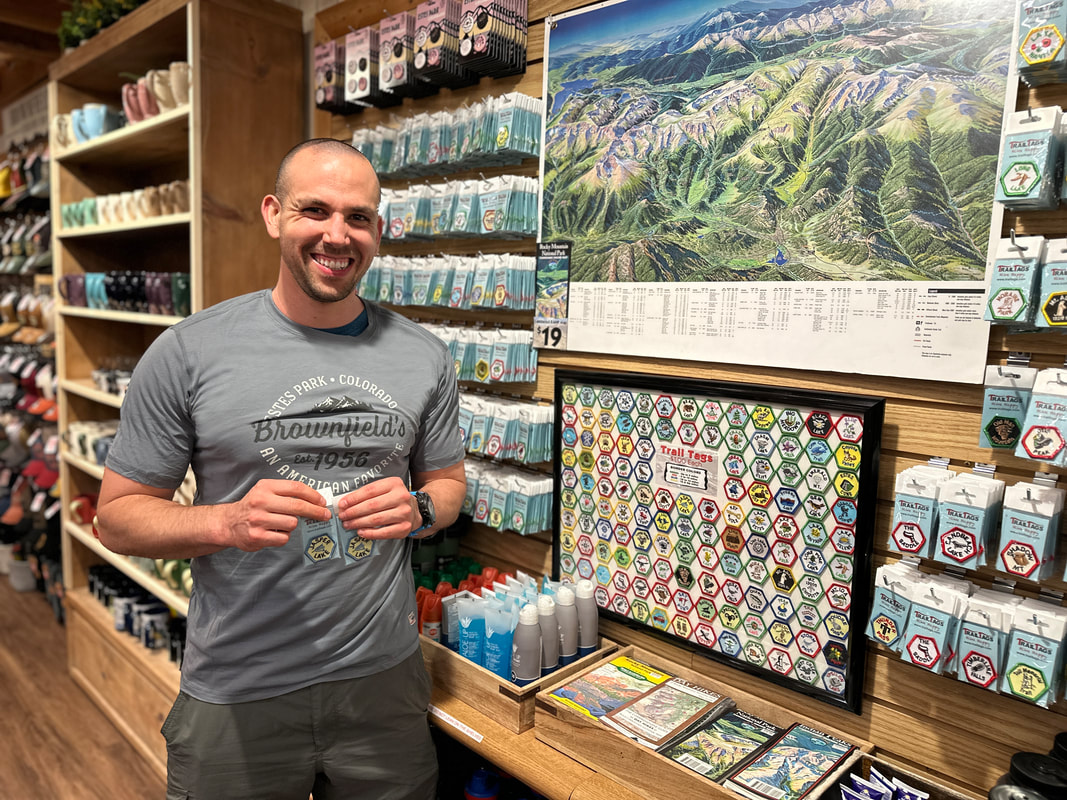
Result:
pixel 1007 395
pixel 930 634
pixel 915 509
pixel 1045 423
pixel 1030 160
pixel 891 606
pixel 981 640
pixel 319 537
pixel 1012 296
pixel 1029 530
pixel 1040 56
pixel 969 507
pixel 1034 660
pixel 1052 291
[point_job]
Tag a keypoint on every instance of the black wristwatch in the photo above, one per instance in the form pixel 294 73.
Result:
pixel 425 504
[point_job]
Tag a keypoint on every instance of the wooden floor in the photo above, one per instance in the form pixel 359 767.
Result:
pixel 55 744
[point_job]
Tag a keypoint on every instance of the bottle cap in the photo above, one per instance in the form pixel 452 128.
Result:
pixel 482 784
pixel 528 615
pixel 1009 792
pixel 565 596
pixel 546 606
pixel 584 589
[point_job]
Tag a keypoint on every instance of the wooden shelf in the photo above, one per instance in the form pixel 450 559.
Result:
pixel 86 388
pixel 84 534
pixel 119 316
pixel 160 139
pixel 137 228
pixel 90 468
pixel 154 663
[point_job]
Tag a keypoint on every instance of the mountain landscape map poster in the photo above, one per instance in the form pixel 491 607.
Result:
pixel 795 184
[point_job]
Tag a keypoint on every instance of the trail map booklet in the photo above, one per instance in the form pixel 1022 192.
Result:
pixel 724 745
pixel 666 712
pixel 798 761
pixel 598 691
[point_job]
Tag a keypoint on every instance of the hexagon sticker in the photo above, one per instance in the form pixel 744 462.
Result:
pixel 923 651
pixel 1043 442
pixel 1003 432
pixel 849 428
pixel 1006 303
pixel 819 424
pixel 979 669
pixel 1019 558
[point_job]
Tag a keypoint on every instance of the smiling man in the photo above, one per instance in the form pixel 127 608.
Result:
pixel 323 433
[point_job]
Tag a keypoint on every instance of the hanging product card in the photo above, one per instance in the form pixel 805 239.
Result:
pixel 981 642
pixel 362 85
pixel 1034 660
pixel 396 57
pixel 930 635
pixel 319 537
pixel 329 76
pixel 1030 160
pixel 1028 530
pixel 1041 26
pixel 1007 395
pixel 969 506
pixel 1052 294
pixel 1013 279
pixel 1044 427
pixel 915 509
pixel 891 606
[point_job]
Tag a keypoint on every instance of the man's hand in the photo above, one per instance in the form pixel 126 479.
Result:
pixel 383 509
pixel 270 512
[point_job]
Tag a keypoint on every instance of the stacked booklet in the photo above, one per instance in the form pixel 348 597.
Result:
pixel 702 729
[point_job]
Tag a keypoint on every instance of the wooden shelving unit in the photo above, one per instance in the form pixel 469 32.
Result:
pixel 243 94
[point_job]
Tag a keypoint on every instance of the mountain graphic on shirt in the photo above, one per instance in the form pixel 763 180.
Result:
pixel 332 405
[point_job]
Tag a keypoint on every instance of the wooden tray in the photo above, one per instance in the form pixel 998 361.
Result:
pixel 509 704
pixel 643 770
pixel 923 783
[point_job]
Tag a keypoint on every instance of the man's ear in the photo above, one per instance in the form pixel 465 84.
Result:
pixel 271 209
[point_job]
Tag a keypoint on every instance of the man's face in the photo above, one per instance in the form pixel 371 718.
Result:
pixel 327 224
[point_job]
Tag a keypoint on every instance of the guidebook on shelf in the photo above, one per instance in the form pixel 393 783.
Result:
pixel 607 687
pixel 792 766
pixel 724 745
pixel 666 712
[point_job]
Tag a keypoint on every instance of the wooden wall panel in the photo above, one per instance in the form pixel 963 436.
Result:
pixel 960 736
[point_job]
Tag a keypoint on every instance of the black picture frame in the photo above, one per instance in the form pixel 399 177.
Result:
pixel 800 489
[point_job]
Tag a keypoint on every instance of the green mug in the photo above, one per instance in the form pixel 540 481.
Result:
pixel 179 287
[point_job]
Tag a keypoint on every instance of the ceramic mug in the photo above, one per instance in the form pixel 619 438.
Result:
pixel 83 508
pixel 131 105
pixel 179 287
pixel 77 125
pixel 145 99
pixel 89 214
pixel 100 118
pixel 159 85
pixel 179 81
pixel 72 289
pixel 129 207
pixel 95 296
pixel 62 132
pixel 148 201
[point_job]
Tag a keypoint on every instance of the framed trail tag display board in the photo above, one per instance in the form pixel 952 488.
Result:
pixel 732 518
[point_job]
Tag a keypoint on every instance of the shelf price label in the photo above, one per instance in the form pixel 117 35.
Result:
pixel 551 335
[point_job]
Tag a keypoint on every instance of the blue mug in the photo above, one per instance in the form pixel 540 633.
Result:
pixel 77 124
pixel 95 293
pixel 98 119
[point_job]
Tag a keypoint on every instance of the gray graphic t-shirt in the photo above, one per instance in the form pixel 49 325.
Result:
pixel 242 393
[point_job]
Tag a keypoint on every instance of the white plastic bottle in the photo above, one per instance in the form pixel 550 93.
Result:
pixel 526 647
pixel 567 616
pixel 588 617
pixel 546 614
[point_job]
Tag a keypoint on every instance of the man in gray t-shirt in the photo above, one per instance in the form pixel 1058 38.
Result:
pixel 308 417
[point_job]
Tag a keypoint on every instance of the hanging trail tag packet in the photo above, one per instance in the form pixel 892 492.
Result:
pixel 1045 424
pixel 966 510
pixel 930 635
pixel 1052 288
pixel 1033 662
pixel 981 640
pixel 915 509
pixel 1029 530
pixel 890 606
pixel 319 538
pixel 1011 299
pixel 1029 160
pixel 1042 26
pixel 1007 395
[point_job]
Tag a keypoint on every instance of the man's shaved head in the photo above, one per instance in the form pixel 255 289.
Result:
pixel 331 146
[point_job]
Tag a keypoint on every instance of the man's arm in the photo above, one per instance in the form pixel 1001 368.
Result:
pixel 141 520
pixel 385 509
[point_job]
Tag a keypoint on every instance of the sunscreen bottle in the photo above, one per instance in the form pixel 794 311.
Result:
pixel 526 647
pixel 567 616
pixel 546 613
pixel 588 617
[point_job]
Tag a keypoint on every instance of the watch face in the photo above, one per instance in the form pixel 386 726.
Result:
pixel 426 508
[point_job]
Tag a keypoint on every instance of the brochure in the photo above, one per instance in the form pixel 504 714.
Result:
pixel 600 690
pixel 666 712
pixel 798 761
pixel 725 744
